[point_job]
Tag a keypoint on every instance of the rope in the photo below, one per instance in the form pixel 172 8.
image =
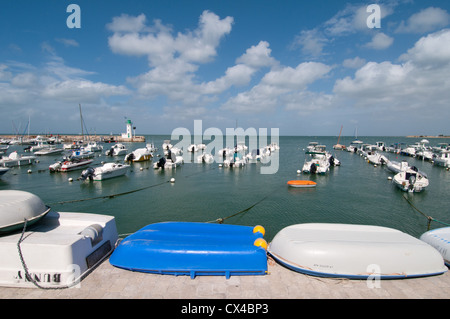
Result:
pixel 29 277
pixel 221 220
pixel 429 218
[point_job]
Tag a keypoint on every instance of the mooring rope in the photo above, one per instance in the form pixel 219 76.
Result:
pixel 429 218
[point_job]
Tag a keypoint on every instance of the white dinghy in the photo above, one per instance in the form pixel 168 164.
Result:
pixel 411 181
pixel 439 239
pixel 57 251
pixel 354 252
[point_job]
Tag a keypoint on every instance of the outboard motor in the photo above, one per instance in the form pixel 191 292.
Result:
pixel 110 152
pixel 129 157
pixel 412 181
pixel 313 168
pixel 87 173
pixel 161 162
pixel 331 161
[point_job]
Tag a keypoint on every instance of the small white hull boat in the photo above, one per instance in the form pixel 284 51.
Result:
pixel 377 158
pixel 70 165
pixel 49 151
pixel 107 171
pixel 397 167
pixel 168 163
pixel 205 158
pixel 3 170
pixel 58 250
pixel 93 147
pixel 15 159
pixel 442 159
pixel 316 166
pixel 139 155
pixel 81 154
pixel 117 150
pixel 440 240
pixel 411 181
pixel 354 252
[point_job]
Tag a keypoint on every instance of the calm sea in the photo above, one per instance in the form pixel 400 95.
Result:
pixel 355 192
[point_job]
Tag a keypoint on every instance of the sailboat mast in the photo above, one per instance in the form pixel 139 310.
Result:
pixel 81 119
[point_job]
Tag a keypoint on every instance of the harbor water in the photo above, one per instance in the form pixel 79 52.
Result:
pixel 355 192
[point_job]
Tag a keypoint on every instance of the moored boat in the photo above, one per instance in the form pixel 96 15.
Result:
pixel 70 164
pixel 354 252
pixel 411 181
pixel 107 171
pixel 14 159
pixel 301 183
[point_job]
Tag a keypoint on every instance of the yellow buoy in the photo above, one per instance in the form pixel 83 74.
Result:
pixel 260 229
pixel 260 242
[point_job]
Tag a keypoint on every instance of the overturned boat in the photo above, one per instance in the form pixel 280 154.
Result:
pixel 194 249
pixel 354 252
pixel 48 249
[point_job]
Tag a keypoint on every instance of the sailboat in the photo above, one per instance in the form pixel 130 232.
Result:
pixel 339 146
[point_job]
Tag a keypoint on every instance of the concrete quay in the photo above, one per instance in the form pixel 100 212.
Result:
pixel 108 282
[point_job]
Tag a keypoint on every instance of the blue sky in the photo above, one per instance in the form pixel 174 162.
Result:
pixel 305 67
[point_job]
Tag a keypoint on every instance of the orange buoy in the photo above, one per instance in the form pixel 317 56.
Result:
pixel 301 183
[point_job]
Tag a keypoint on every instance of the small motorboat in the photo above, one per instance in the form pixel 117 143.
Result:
pixel 301 183
pixel 235 161
pixel 316 163
pixel 397 167
pixel 107 171
pixel 81 153
pixel 442 158
pixel 71 164
pixel 440 239
pixel 376 158
pixel 194 249
pixel 411 181
pixel 14 159
pixel 53 249
pixel 168 162
pixel 3 170
pixel 354 252
pixel 117 150
pixel 205 158
pixel 139 155
pixel 192 148
pixel 49 151
pixel 93 147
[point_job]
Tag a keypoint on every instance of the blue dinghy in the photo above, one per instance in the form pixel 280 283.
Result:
pixel 186 248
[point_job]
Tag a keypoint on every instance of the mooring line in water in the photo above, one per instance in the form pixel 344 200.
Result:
pixel 111 195
pixel 123 193
pixel 221 220
pixel 429 218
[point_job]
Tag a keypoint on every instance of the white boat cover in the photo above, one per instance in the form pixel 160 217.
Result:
pixel 354 251
pixel 439 239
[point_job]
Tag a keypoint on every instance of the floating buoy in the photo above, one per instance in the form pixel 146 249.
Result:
pixel 299 171
pixel 141 169
pixel 71 179
pixel 172 180
pixel 30 171
pixel 220 165
pixel 389 178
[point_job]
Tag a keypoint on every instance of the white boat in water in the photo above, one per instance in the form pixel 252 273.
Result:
pixel 49 151
pixel 117 150
pixel 411 181
pixel 70 165
pixel 397 167
pixel 205 158
pixel 93 147
pixel 440 239
pixel 442 158
pixel 107 171
pixel 56 249
pixel 316 163
pixel 235 161
pixel 3 171
pixel 14 159
pixel 139 155
pixel 376 158
pixel 169 163
pixel 354 252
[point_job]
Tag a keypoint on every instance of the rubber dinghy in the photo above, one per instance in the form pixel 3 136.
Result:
pixel 186 248
pixel 301 184
pixel 354 252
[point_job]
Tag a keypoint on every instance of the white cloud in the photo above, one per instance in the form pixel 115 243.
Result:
pixel 354 63
pixel 279 86
pixel 421 81
pixel 380 41
pixel 427 20
pixel 258 56
pixel 311 42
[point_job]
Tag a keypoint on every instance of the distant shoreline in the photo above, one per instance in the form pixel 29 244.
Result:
pixel 427 136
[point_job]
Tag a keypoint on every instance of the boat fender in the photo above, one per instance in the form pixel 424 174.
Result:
pixel 259 228
pixel 94 232
pixel 260 242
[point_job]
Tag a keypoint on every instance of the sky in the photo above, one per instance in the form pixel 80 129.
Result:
pixel 304 67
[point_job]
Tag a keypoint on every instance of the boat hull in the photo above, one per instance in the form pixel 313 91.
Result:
pixel 301 184
pixel 440 240
pixel 354 252
pixel 193 249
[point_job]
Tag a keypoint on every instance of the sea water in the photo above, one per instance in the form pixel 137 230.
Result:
pixel 355 192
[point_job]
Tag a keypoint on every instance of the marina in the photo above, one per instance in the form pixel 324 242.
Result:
pixel 355 192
